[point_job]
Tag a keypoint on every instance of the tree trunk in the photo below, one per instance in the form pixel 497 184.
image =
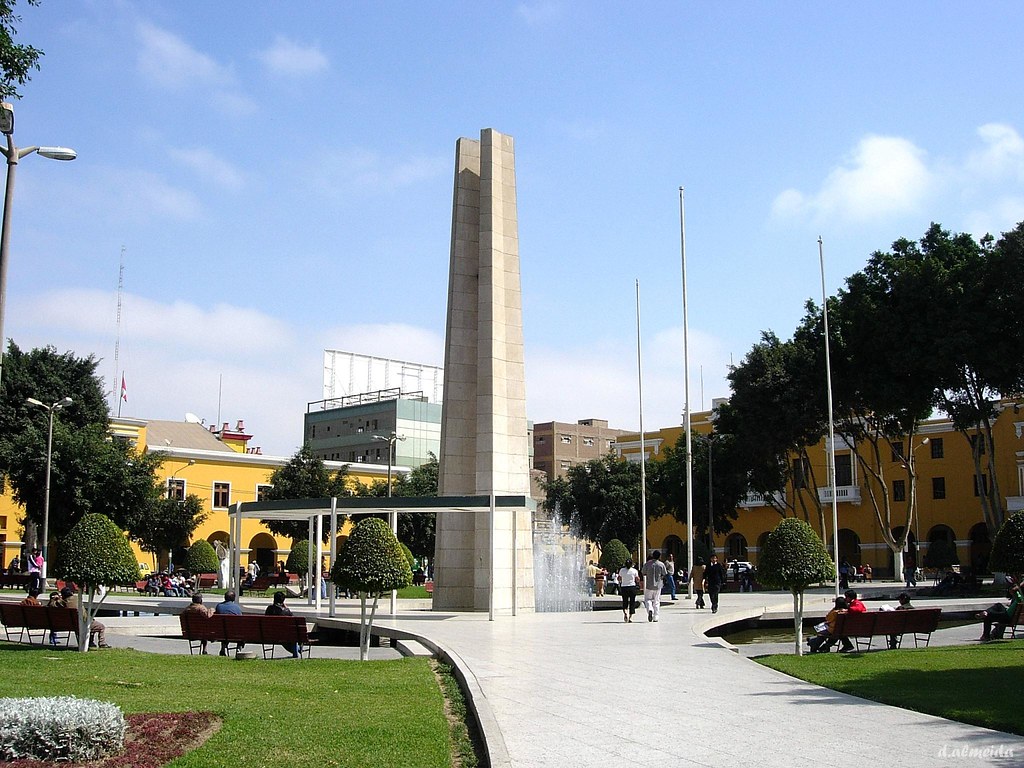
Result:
pixel 363 630
pixel 798 620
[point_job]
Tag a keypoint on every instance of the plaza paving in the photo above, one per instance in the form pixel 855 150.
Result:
pixel 586 689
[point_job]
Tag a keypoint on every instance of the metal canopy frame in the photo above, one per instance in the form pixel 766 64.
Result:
pixel 314 510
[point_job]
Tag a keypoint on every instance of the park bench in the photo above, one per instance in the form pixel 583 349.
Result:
pixel 14 580
pixel 1016 620
pixel 262 583
pixel 429 586
pixel 862 628
pixel 206 581
pixel 269 631
pixel 29 619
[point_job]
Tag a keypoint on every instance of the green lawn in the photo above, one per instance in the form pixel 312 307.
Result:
pixel 978 684
pixel 321 712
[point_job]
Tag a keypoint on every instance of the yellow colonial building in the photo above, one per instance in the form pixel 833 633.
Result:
pixel 214 464
pixel 948 494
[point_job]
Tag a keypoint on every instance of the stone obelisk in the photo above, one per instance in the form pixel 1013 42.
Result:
pixel 484 448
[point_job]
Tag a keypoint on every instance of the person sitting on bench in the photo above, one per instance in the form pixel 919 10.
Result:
pixel 824 640
pixel 998 616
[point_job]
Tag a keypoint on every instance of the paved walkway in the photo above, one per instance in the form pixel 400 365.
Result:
pixel 586 689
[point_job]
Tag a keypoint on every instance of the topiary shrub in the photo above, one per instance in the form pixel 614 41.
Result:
pixel 201 558
pixel 60 728
pixel 408 555
pixel 298 558
pixel 613 556
pixel 793 557
pixel 94 554
pixel 371 563
pixel 1008 548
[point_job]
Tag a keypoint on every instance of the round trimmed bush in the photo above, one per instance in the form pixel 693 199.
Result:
pixel 408 555
pixel 97 553
pixel 372 560
pixel 62 728
pixel 1008 548
pixel 202 558
pixel 298 557
pixel 613 556
pixel 793 557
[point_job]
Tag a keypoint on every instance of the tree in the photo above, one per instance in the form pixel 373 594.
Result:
pixel 415 530
pixel 16 61
pixel 298 558
pixel 777 410
pixel 793 557
pixel 167 523
pixel 1008 548
pixel 95 554
pixel 371 563
pixel 614 556
pixel 305 476
pixel 202 558
pixel 715 459
pixel 601 497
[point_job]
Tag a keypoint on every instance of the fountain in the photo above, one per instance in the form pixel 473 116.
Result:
pixel 560 567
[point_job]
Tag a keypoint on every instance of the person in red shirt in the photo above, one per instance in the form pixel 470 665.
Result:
pixel 853 605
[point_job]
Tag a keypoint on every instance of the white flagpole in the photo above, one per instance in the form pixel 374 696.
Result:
pixel 643 455
pixel 686 400
pixel 830 452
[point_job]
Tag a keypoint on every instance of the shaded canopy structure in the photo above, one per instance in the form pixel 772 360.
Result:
pixel 314 511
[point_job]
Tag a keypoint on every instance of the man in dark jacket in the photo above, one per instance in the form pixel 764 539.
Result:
pixel 278 608
pixel 714 576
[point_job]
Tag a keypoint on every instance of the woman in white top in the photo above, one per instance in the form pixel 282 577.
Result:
pixel 629 581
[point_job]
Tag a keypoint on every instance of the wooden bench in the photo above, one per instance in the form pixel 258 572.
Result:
pixel 15 580
pixel 205 581
pixel 269 631
pixel 862 628
pixel 429 586
pixel 28 619
pixel 262 583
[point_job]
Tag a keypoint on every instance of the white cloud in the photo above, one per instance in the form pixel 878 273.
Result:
pixel 542 12
pixel 1002 155
pixel 170 62
pixel 210 166
pixel 286 57
pixel 360 171
pixel 129 194
pixel 228 362
pixel 885 176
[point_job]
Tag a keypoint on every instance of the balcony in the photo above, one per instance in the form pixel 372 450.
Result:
pixel 1014 504
pixel 845 494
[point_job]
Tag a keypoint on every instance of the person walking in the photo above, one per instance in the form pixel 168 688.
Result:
pixel 670 576
pixel 629 579
pixel 697 577
pixel 714 577
pixel 654 579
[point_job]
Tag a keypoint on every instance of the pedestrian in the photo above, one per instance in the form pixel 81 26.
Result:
pixel 909 569
pixel 592 577
pixel 697 577
pixel 654 579
pixel 714 577
pixel 599 580
pixel 670 575
pixel 629 579
pixel 35 571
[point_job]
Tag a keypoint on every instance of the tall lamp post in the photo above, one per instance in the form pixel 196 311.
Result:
pixel 51 409
pixel 13 155
pixel 391 440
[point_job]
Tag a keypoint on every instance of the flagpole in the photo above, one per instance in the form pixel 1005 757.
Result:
pixel 643 453
pixel 686 399
pixel 830 454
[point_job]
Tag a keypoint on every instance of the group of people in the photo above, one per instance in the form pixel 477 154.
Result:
pixel 229 606
pixel 66 597
pixel 655 574
pixel 169 585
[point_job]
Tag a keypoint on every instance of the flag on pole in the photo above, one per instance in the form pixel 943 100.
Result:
pixel 124 389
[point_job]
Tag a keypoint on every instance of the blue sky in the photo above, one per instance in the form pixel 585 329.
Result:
pixel 279 175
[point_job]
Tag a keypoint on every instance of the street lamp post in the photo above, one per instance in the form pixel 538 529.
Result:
pixel 391 440
pixel 13 155
pixel 51 410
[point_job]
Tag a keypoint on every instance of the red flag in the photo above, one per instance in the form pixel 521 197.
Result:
pixel 124 389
